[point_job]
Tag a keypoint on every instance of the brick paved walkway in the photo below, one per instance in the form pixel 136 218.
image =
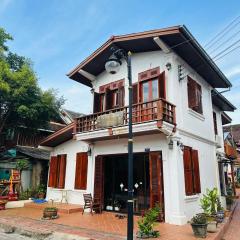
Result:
pixel 233 232
pixel 99 226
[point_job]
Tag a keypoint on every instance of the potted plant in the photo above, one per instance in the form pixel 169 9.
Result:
pixel 50 212
pixel 220 211
pixel 209 206
pixel 199 225
pixel 41 191
pixel 146 224
pixel 212 223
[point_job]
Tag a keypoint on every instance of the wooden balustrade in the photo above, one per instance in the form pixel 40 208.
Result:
pixel 156 110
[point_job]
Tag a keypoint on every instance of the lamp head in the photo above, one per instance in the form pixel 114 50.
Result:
pixel 113 64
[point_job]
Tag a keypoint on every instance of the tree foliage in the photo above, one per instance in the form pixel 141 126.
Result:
pixel 22 101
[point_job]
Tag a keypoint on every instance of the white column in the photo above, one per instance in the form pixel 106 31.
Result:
pixel 176 205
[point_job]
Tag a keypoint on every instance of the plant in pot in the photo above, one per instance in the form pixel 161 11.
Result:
pixel 199 225
pixel 41 191
pixel 220 211
pixel 50 212
pixel 146 224
pixel 209 206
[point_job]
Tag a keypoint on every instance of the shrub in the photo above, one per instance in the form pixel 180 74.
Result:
pixel 199 218
pixel 147 222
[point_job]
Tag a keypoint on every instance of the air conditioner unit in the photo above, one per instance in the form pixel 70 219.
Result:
pixel 218 140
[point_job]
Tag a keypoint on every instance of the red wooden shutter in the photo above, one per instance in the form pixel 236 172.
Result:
pixel 192 97
pixel 52 181
pixel 121 94
pixel 99 179
pixel 135 93
pixel 156 179
pixel 62 159
pixel 199 98
pixel 215 123
pixel 162 85
pixel 188 171
pixel 81 171
pixel 109 99
pixel 196 174
pixel 97 103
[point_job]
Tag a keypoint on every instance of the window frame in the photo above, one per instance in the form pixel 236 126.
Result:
pixel 194 91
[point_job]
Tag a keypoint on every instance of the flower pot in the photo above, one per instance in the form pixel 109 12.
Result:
pixel 50 213
pixel 220 216
pixel 41 195
pixel 199 230
pixel 212 226
pixel 117 209
pixel 153 234
pixel 110 208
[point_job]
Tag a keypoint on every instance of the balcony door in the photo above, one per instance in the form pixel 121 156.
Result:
pixel 150 90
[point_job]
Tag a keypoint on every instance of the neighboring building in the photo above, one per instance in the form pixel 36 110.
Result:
pixel 232 150
pixel 177 126
pixel 22 142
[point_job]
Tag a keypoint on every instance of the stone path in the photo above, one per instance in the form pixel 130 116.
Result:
pixel 233 232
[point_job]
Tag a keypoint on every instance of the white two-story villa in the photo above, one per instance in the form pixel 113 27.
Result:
pixel 177 126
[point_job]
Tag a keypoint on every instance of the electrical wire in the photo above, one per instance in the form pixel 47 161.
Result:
pixel 220 53
pixel 227 53
pixel 219 35
pixel 232 36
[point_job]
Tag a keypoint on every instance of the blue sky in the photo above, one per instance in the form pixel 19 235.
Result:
pixel 58 34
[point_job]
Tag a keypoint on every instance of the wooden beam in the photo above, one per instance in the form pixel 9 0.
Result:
pixel 87 75
pixel 162 45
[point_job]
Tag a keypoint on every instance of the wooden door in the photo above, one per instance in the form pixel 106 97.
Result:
pixel 156 179
pixel 99 179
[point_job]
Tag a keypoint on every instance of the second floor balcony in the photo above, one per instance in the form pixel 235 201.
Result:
pixel 157 112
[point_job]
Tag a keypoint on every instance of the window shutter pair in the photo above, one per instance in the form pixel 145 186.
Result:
pixel 81 171
pixel 194 95
pixel 57 171
pixel 191 171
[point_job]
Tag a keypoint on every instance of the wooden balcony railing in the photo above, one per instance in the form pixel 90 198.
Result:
pixel 157 110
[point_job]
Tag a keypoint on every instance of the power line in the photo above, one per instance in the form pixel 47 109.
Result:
pixel 226 48
pixel 221 33
pixel 227 53
pixel 217 40
pixel 232 36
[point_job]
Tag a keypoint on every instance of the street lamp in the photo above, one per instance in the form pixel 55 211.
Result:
pixel 112 66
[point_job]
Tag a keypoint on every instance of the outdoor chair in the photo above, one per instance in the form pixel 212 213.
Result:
pixel 92 204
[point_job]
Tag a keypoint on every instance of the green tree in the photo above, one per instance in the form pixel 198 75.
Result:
pixel 22 102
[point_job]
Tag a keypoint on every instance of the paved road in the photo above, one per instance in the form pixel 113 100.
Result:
pixel 12 236
pixel 55 236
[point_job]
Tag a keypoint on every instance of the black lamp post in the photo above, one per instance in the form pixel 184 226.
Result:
pixel 112 66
